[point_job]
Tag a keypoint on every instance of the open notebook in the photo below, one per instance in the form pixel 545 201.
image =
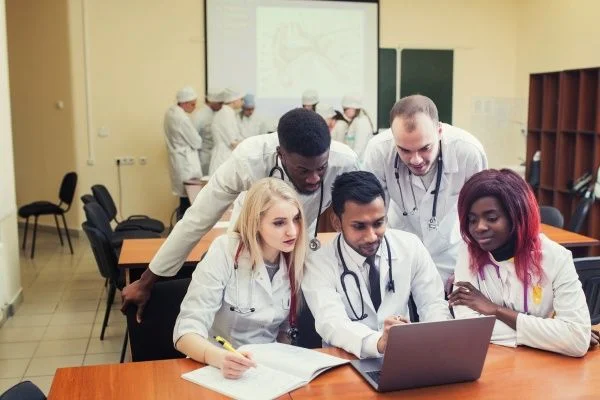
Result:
pixel 281 369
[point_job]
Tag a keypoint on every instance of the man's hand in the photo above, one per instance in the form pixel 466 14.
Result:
pixel 467 295
pixel 595 339
pixel 135 293
pixel 387 324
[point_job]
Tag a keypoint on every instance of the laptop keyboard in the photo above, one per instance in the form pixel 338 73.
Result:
pixel 375 375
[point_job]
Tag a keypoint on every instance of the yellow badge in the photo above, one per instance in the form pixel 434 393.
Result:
pixel 537 294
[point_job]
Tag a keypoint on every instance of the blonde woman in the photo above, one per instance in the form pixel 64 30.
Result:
pixel 247 286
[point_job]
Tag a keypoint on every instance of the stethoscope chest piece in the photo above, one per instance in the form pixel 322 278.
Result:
pixel 314 244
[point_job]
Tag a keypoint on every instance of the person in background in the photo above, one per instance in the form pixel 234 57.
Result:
pixel 246 287
pixel 358 285
pixel 226 128
pixel 251 124
pixel 202 120
pixel 310 99
pixel 422 164
pixel 328 114
pixel 183 144
pixel 508 269
pixel 360 127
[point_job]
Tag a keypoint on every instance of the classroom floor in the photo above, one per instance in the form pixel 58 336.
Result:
pixel 59 322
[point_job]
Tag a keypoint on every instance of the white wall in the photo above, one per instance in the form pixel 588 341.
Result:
pixel 10 279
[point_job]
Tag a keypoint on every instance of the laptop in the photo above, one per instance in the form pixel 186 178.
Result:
pixel 430 353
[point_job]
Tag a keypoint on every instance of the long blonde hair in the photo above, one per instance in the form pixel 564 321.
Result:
pixel 261 196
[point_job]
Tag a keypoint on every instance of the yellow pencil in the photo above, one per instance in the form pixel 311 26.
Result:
pixel 226 345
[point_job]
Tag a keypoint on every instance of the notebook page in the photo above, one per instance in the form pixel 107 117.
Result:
pixel 256 383
pixel 304 363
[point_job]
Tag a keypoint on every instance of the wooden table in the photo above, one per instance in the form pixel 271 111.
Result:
pixel 567 238
pixel 508 373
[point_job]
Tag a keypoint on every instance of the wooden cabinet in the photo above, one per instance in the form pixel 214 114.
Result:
pixel 564 124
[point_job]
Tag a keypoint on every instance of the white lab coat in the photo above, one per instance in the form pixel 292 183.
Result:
pixel 225 130
pixel 463 156
pixel 205 310
pixel 252 160
pixel 183 143
pixel 339 130
pixel 413 272
pixel 359 133
pixel 202 121
pixel 252 125
pixel 567 332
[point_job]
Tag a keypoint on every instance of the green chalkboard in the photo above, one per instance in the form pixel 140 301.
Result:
pixel 428 72
pixel 386 94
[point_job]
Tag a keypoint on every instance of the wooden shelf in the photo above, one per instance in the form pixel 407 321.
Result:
pixel 546 197
pixel 550 102
pixel 584 149
pixel 566 162
pixel 588 100
pixel 536 84
pixel 569 98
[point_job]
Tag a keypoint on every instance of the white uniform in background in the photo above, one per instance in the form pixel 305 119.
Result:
pixel 558 318
pixel 252 125
pixel 252 160
pixel 214 289
pixel 463 156
pixel 225 130
pixel 359 133
pixel 202 120
pixel 339 130
pixel 413 272
pixel 183 143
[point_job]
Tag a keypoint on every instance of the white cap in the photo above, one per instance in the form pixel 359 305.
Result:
pixel 310 97
pixel 186 94
pixel 215 96
pixel 352 100
pixel 230 95
pixel 325 110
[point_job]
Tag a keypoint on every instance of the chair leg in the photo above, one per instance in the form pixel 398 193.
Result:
pixel 124 348
pixel 111 294
pixel 34 234
pixel 67 232
pixel 25 233
pixel 58 230
pixel 105 282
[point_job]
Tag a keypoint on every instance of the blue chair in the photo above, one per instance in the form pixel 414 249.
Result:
pixel 588 269
pixel 25 390
pixel 552 216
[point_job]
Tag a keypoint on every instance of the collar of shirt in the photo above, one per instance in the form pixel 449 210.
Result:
pixel 353 258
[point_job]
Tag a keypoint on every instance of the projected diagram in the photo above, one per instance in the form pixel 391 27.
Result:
pixel 301 48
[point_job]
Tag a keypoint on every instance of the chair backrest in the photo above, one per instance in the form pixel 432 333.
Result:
pixel 580 214
pixel 104 198
pixel 307 334
pixel 97 218
pixel 552 216
pixel 25 390
pixel 588 270
pixel 152 339
pixel 87 198
pixel 67 188
pixel 106 258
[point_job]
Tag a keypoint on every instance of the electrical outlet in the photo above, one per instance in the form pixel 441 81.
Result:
pixel 143 160
pixel 125 160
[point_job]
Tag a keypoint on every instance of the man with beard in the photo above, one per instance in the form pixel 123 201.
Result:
pixel 358 285
pixel 301 154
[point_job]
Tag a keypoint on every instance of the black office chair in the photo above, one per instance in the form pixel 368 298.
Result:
pixel 87 198
pixel 581 212
pixel 97 218
pixel 25 390
pixel 37 208
pixel 108 266
pixel 588 269
pixel 152 339
pixel 551 216
pixel 307 334
pixel 143 222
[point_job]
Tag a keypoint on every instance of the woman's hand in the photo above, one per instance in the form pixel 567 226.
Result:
pixel 233 365
pixel 467 295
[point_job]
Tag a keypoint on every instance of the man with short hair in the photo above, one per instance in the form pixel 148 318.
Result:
pixel 301 154
pixel 183 144
pixel 202 120
pixel 251 124
pixel 358 285
pixel 422 164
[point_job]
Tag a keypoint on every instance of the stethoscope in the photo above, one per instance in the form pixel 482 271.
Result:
pixel 292 331
pixel 433 222
pixel 390 287
pixel 315 243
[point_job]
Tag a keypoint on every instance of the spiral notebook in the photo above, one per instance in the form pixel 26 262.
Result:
pixel 281 369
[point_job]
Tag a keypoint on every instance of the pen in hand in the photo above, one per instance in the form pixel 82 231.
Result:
pixel 234 366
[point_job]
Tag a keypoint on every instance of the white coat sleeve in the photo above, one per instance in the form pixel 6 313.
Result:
pixel 502 334
pixel 363 132
pixel 475 161
pixel 325 303
pixel 231 178
pixel 569 331
pixel 374 161
pixel 205 293
pixel 427 287
pixel 190 134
